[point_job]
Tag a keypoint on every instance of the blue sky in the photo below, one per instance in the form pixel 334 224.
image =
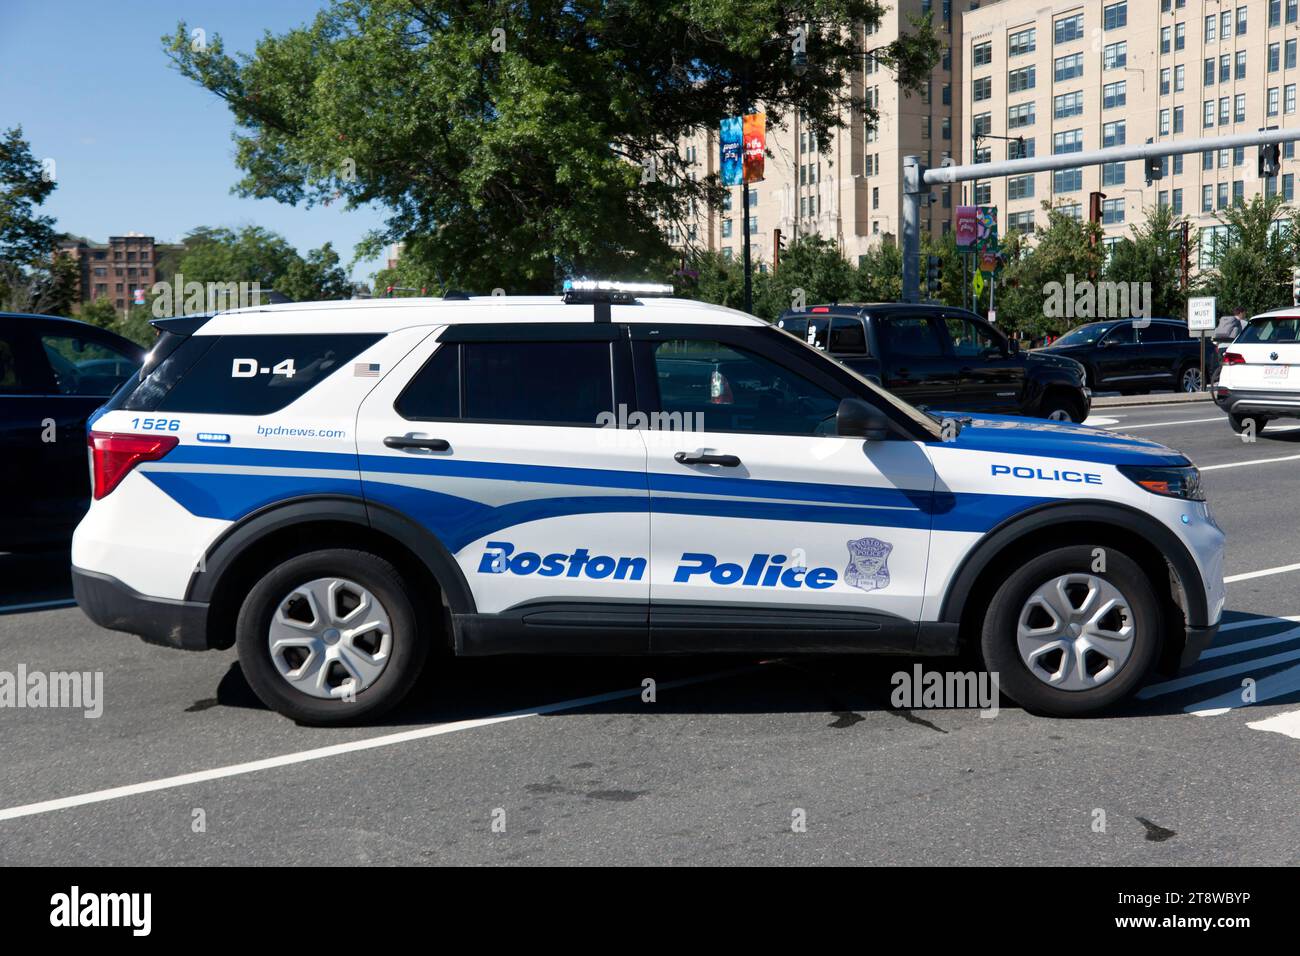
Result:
pixel 159 143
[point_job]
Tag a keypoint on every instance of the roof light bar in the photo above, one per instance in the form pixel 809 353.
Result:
pixel 626 288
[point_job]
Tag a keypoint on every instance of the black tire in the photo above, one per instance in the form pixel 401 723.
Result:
pixel 409 641
pixel 1238 423
pixel 1054 403
pixel 998 641
pixel 1180 386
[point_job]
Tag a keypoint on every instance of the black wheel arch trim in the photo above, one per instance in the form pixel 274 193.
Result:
pixel 1121 517
pixel 311 509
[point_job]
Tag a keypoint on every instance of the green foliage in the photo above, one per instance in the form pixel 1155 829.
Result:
pixel 1253 268
pixel 252 254
pixel 1153 253
pixel 318 276
pixel 1066 247
pixel 812 269
pixel 100 312
pixel 880 273
pixel 513 144
pixel 25 236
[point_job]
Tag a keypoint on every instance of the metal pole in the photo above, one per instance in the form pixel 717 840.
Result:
pixel 749 288
pixel 913 170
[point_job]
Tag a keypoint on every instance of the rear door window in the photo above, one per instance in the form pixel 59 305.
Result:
pixel 13 381
pixel 848 336
pixel 85 366
pixel 910 336
pixel 544 383
pixel 1121 334
pixel 247 374
pixel 1156 332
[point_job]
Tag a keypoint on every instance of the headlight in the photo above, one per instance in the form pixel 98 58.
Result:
pixel 1182 481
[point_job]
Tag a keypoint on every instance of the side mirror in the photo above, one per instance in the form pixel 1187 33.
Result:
pixel 1104 344
pixel 856 419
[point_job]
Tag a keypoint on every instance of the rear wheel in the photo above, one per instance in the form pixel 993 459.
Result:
pixel 1189 379
pixel 1240 423
pixel 1066 639
pixel 331 637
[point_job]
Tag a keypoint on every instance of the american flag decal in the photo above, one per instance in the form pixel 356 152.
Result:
pixel 366 370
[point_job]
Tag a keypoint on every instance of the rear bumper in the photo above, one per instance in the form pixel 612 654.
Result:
pixel 1198 639
pixel 111 604
pixel 1246 401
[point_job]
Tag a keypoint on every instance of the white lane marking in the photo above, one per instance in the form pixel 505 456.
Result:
pixel 1224 650
pixel 1206 677
pixel 1287 723
pixel 1256 622
pixel 1266 688
pixel 1253 461
pixel 1184 421
pixel 37 605
pixel 1280 569
pixel 1102 422
pixel 335 750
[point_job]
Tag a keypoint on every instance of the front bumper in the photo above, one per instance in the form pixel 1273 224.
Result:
pixel 1248 401
pixel 111 604
pixel 1198 639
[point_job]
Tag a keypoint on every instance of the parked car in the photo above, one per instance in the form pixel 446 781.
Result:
pixel 1122 355
pixel 54 373
pixel 348 491
pixel 1260 379
pixel 944 358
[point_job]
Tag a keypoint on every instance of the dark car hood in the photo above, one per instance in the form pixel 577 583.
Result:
pixel 1049 358
pixel 1013 435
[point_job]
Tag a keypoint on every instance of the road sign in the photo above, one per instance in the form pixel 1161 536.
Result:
pixel 977 283
pixel 1201 318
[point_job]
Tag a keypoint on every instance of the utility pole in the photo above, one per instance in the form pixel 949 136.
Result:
pixel 744 202
pixel 1184 257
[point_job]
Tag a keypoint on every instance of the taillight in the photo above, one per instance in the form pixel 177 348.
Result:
pixel 1233 358
pixel 112 456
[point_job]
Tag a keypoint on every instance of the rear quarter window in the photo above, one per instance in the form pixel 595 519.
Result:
pixel 243 374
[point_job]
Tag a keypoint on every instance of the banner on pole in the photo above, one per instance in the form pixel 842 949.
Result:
pixel 755 131
pixel 731 137
pixel 967 226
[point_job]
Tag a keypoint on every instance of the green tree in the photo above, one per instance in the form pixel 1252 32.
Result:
pixel 1251 264
pixel 316 277
pixel 719 279
pixel 33 276
pixel 880 273
pixel 251 254
pixel 1029 290
pixel 812 269
pixel 1153 253
pixel 514 143
pixel 99 312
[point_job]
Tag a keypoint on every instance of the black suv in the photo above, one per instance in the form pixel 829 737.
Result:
pixel 53 374
pixel 1131 357
pixel 944 358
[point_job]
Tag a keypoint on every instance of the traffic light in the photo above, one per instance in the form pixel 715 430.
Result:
pixel 778 247
pixel 1155 169
pixel 1270 159
pixel 932 265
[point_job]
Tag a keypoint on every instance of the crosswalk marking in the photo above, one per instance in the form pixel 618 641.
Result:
pixel 1225 649
pixel 1287 723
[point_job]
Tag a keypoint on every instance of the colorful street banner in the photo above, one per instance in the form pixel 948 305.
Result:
pixel 732 160
pixel 967 226
pixel 755 146
pixel 988 228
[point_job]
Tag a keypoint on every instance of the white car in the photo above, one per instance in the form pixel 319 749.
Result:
pixel 1260 376
pixel 345 491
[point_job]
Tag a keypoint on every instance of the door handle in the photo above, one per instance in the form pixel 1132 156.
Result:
pixel 406 441
pixel 701 458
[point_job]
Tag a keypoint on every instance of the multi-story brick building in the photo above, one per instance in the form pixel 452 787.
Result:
pixel 1075 76
pixel 852 191
pixel 113 270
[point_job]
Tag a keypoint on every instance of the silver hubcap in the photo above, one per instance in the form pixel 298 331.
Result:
pixel 330 638
pixel 1075 632
pixel 1192 380
pixel 1059 415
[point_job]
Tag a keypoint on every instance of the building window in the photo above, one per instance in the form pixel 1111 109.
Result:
pixel 1022 79
pixel 1114 55
pixel 1114 95
pixel 1023 41
pixel 1288 187
pixel 1290 11
pixel 1207 199
pixel 1113 134
pixel 1210 22
pixel 1208 79
pixel 1112 174
pixel 1068 67
pixel 1288 99
pixel 1115 16
pixel 982 124
pixel 1067 104
pixel 1164 81
pixel 983 154
pixel 1020 187
pixel 1178 122
pixel 1225 68
pixel 1238 191
pixel 1166 33
pixel 1177 204
pixel 1223 111
pixel 1069 141
pixel 982 89
pixel 982 54
pixel 1241 65
pixel 945 128
pixel 1180 75
pixel 1225 24
pixel 1274 57
pixel 1207 117
pixel 1068 29
pixel 1239 108
pixel 1289 59
pixel 1067 180
pixel 1020 149
pixel 983 194
pixel 1020 116
pixel 1164 123
pixel 1274 13
pixel 1241 21
pixel 1021 222
pixel 1221 195
pixel 1180 36
pixel 726 229
pixel 1273 101
pixel 1112 211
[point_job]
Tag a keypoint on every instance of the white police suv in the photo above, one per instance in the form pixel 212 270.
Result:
pixel 344 490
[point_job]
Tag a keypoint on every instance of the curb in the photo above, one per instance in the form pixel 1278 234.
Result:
pixel 1124 401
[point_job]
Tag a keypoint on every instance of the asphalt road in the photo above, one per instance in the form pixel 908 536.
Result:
pixel 714 771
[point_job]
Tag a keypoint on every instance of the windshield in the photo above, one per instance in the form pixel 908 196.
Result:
pixel 1083 335
pixel 927 421
pixel 1271 330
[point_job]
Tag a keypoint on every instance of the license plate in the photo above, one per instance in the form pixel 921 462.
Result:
pixel 1276 371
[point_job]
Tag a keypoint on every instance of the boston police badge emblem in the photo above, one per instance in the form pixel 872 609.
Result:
pixel 868 568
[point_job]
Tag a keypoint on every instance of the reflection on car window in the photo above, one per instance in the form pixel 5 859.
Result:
pixel 969 339
pixel 1121 334
pixel 1271 330
pixel 729 390
pixel 9 381
pixel 1083 335
pixel 84 367
pixel 914 337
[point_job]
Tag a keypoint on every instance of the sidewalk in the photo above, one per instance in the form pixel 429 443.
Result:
pixel 1120 401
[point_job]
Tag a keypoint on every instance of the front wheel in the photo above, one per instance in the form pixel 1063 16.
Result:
pixel 330 637
pixel 1062 407
pixel 1189 379
pixel 1073 631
